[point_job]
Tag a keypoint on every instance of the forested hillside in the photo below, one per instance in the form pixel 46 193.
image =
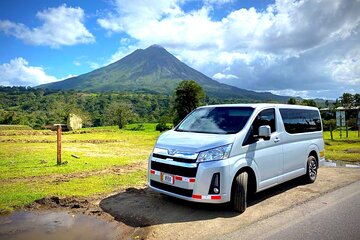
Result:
pixel 38 107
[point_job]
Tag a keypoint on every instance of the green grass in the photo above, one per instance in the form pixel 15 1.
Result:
pixel 14 127
pixel 23 159
pixel 19 193
pixel 28 167
pixel 344 149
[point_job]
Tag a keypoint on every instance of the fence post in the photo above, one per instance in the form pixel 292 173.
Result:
pixel 331 131
pixel 347 130
pixel 58 134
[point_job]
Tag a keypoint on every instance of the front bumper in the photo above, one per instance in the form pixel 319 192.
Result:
pixel 194 186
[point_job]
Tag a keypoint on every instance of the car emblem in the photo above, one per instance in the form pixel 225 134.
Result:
pixel 171 151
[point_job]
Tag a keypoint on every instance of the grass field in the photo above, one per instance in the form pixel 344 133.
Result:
pixel 345 149
pixel 109 160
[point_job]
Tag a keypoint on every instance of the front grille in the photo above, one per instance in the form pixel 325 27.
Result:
pixel 172 169
pixel 172 189
pixel 174 158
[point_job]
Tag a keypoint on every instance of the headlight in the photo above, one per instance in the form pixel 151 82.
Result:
pixel 214 154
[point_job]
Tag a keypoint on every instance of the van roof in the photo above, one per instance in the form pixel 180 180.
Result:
pixel 261 105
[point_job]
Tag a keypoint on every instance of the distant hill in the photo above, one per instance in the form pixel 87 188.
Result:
pixel 154 70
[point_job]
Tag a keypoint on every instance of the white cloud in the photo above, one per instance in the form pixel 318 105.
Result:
pixel 217 2
pixel 94 65
pixel 163 22
pixel 121 52
pixel 289 45
pixel 68 76
pixel 224 76
pixel 292 93
pixel 18 73
pixel 61 26
pixel 346 69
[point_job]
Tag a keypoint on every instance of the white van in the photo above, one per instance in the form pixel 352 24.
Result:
pixel 222 153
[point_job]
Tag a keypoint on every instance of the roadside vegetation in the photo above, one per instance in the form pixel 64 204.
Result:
pixel 343 149
pixel 109 159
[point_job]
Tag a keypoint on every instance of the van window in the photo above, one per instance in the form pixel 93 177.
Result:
pixel 218 120
pixel 301 120
pixel 265 117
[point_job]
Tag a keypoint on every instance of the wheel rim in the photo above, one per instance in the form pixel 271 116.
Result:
pixel 312 169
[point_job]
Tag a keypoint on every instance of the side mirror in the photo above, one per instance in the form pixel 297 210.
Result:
pixel 265 132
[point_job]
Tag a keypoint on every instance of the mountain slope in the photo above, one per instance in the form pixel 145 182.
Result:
pixel 153 70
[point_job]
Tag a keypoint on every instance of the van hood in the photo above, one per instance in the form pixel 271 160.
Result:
pixel 193 142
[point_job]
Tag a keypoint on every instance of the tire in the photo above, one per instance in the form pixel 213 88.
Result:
pixel 239 193
pixel 311 172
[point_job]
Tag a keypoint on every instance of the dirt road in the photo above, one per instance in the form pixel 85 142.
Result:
pixel 159 217
pixel 144 214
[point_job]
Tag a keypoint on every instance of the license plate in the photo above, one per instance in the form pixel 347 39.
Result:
pixel 167 178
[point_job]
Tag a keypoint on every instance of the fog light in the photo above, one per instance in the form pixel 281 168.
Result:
pixel 215 184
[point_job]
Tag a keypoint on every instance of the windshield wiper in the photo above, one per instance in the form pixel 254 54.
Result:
pixel 181 130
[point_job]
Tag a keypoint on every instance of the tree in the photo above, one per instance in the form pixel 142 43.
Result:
pixel 188 96
pixel 119 114
pixel 329 125
pixel 357 99
pixel 327 104
pixel 347 100
pixel 162 126
pixel 309 102
pixel 336 104
pixel 292 101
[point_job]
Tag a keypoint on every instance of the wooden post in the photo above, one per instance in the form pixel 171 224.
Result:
pixel 347 131
pixel 331 131
pixel 58 134
pixel 340 127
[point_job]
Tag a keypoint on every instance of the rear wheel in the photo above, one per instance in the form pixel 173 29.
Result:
pixel 312 168
pixel 239 193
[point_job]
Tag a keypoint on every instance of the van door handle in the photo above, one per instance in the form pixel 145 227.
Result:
pixel 277 140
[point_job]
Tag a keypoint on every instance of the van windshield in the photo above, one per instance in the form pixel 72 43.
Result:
pixel 217 120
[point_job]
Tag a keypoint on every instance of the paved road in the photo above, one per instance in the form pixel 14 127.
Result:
pixel 335 215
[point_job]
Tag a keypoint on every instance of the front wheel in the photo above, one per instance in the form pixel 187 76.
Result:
pixel 312 168
pixel 239 193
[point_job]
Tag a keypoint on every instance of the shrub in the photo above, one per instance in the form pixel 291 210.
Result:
pixel 162 126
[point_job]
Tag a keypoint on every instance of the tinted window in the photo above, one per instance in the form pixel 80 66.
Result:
pixel 220 120
pixel 265 117
pixel 300 120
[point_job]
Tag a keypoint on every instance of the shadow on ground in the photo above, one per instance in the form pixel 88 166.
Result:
pixel 144 207
pixel 268 193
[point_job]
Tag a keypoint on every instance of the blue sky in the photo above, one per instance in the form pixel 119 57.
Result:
pixel 299 48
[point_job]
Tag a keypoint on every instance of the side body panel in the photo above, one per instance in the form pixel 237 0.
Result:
pixel 265 157
pixel 282 158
